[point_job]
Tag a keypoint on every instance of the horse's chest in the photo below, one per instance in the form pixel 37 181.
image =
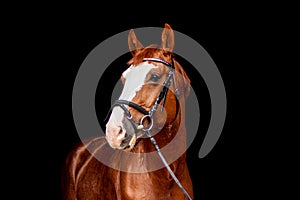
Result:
pixel 141 186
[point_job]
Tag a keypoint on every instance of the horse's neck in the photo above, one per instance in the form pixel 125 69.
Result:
pixel 164 137
pixel 154 183
pixel 171 140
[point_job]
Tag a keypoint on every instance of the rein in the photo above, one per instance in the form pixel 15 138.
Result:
pixel 149 114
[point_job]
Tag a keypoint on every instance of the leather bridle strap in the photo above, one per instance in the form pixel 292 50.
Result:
pixel 127 113
pixel 171 65
pixel 186 194
pixel 133 105
pixel 162 95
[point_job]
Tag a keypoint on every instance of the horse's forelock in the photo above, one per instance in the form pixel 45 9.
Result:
pixel 152 51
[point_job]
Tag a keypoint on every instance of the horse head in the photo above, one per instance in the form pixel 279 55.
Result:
pixel 154 89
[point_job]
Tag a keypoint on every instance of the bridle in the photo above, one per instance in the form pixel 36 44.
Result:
pixel 148 115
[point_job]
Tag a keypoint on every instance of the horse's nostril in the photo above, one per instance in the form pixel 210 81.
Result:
pixel 120 131
pixel 125 142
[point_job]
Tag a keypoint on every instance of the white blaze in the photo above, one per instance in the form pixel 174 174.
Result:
pixel 134 81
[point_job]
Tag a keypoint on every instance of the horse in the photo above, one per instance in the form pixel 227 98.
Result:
pixel 148 117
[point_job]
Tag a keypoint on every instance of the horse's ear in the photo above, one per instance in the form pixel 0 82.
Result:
pixel 133 43
pixel 167 38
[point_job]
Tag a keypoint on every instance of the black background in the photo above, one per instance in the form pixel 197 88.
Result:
pixel 54 41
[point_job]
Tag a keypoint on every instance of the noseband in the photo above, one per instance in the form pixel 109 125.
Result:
pixel 161 97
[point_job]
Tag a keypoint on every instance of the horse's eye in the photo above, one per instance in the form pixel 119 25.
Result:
pixel 154 77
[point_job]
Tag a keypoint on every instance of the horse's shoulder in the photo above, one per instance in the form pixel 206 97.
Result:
pixel 83 151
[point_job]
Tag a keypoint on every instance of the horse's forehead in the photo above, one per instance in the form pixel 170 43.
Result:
pixel 140 71
pixel 135 78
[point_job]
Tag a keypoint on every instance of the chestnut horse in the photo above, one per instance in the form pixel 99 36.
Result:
pixel 149 115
